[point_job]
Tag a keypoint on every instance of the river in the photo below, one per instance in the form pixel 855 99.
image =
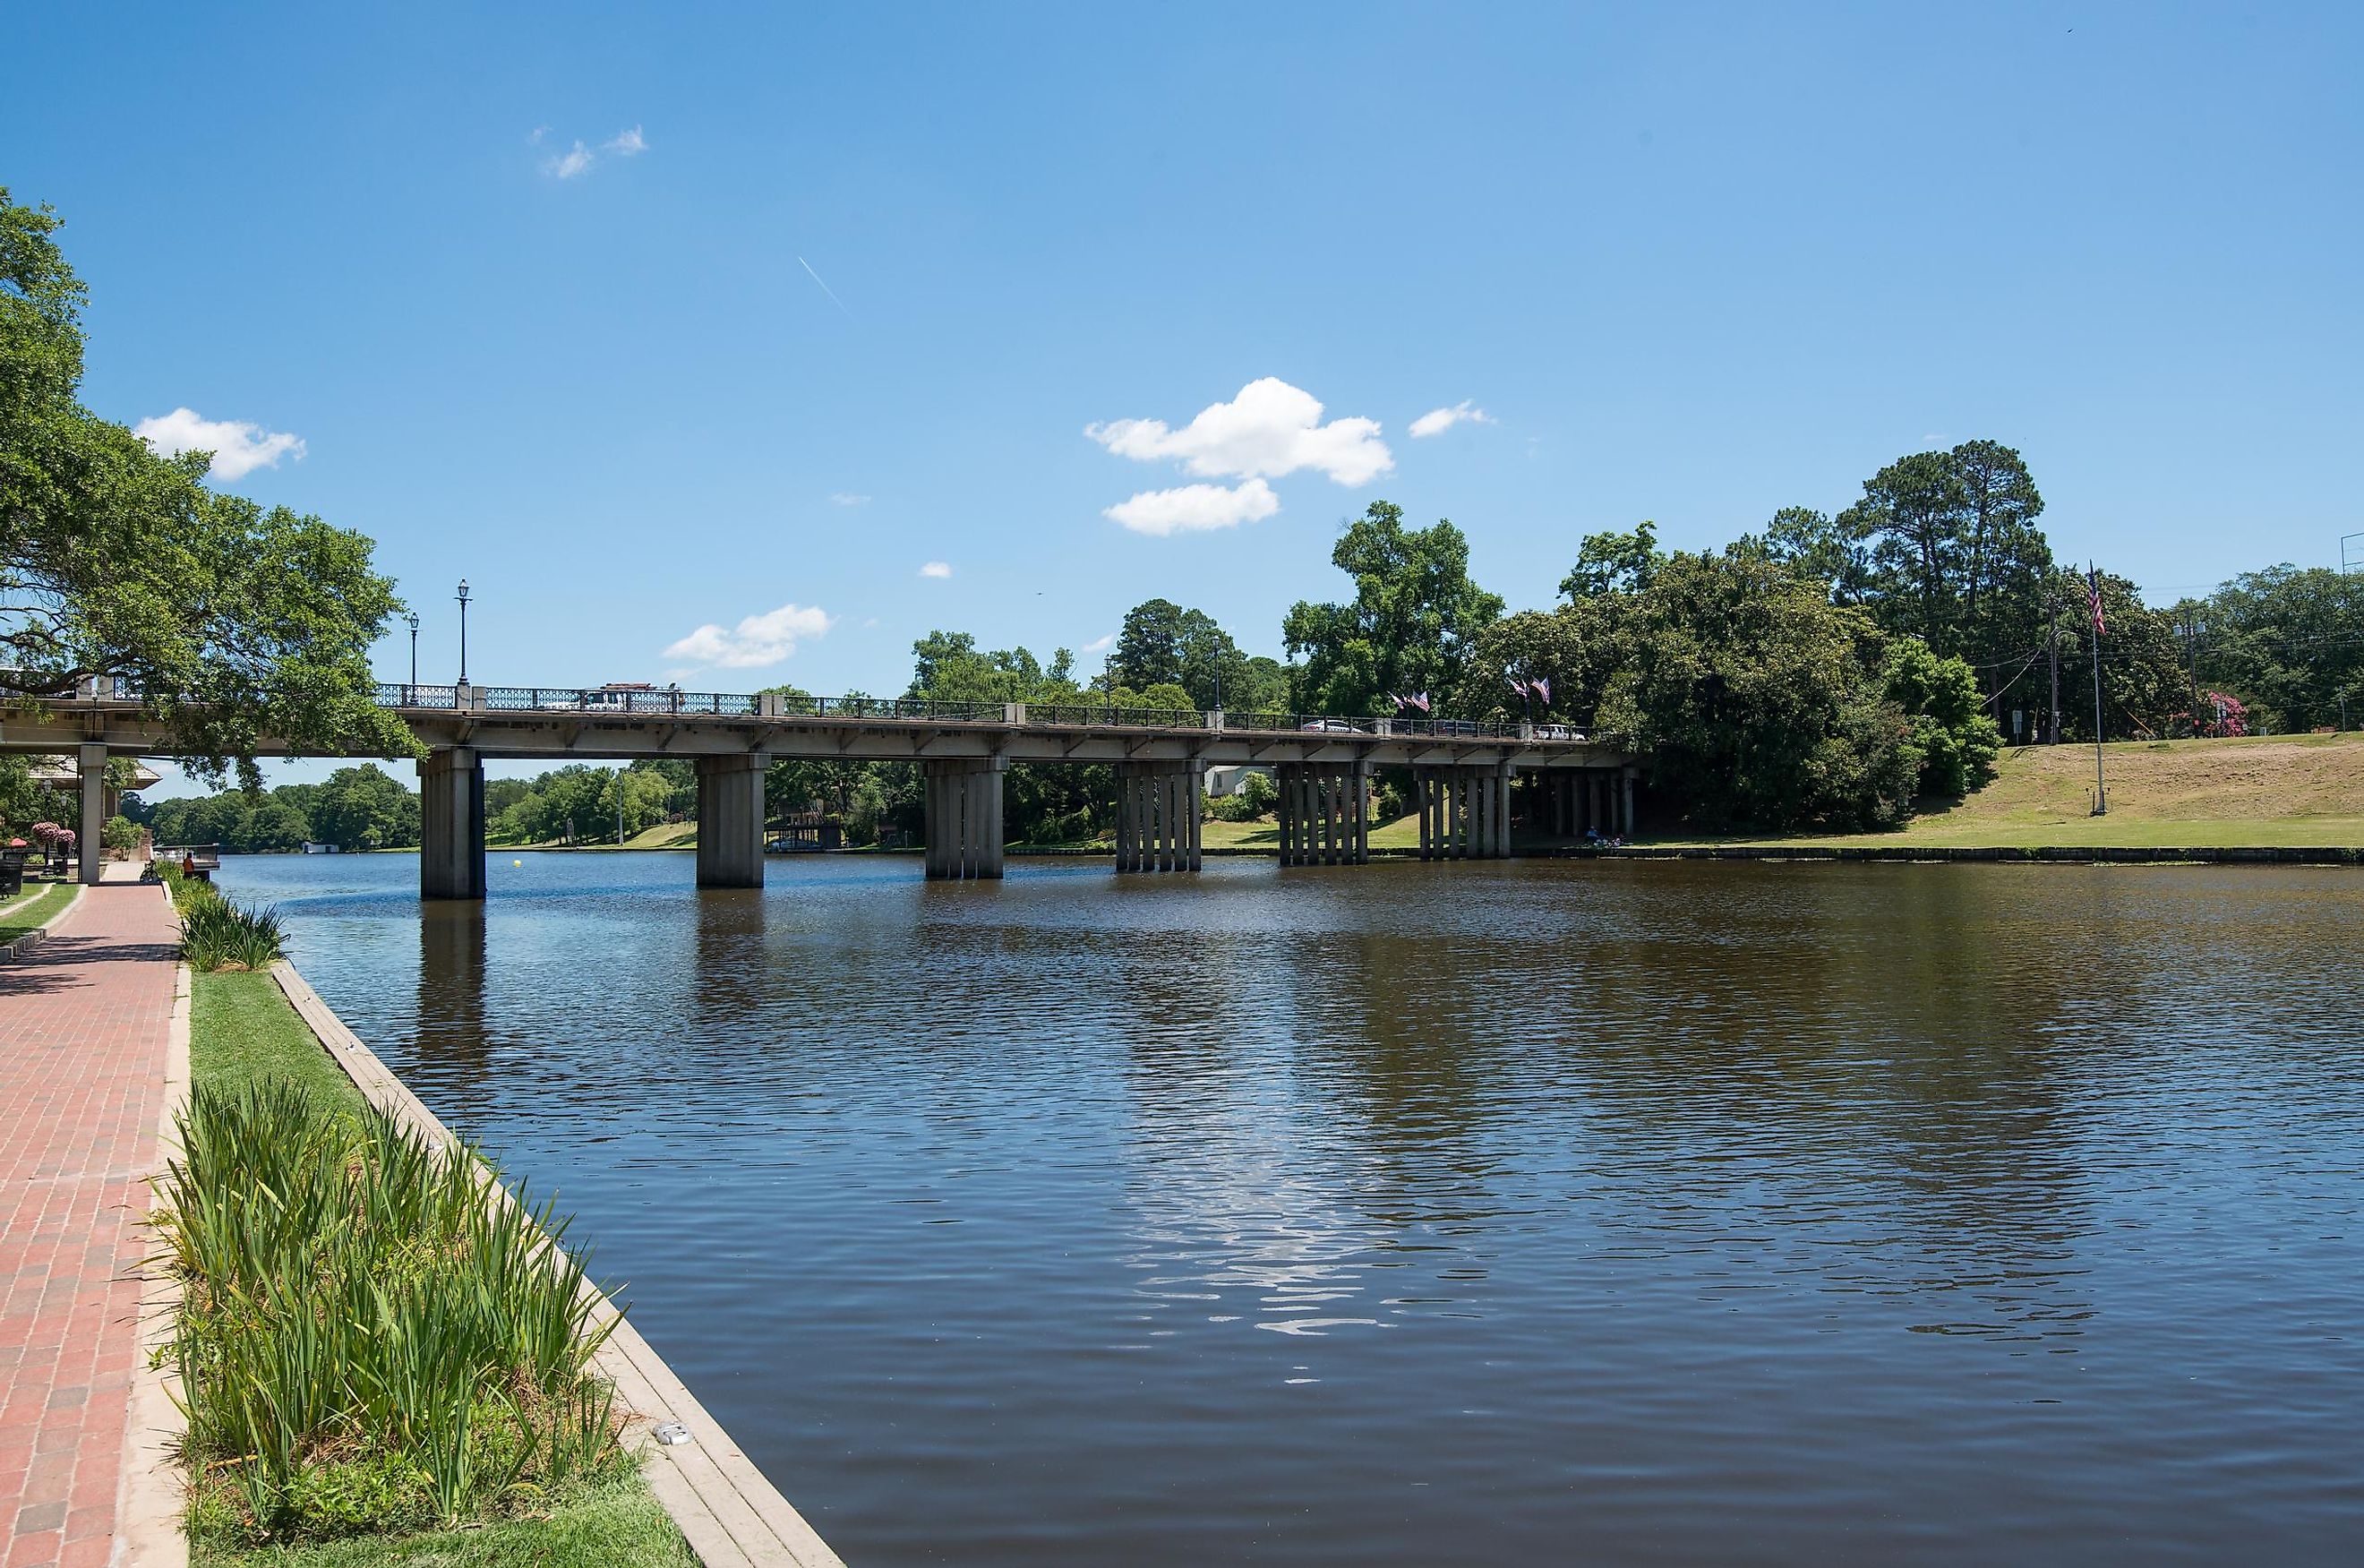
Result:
pixel 1489 1213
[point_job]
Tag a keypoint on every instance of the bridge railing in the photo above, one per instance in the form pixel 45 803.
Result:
pixel 1124 717
pixel 892 707
pixel 630 701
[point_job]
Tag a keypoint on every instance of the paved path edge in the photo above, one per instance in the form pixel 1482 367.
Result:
pixel 729 1513
pixel 24 944
pixel 149 1531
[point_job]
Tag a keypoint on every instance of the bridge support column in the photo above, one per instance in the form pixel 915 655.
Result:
pixel 730 820
pixel 90 853
pixel 1325 813
pixel 1625 815
pixel 963 800
pixel 1157 816
pixel 451 824
pixel 1464 812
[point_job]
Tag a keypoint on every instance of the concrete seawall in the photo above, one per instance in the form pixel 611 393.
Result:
pixel 731 1515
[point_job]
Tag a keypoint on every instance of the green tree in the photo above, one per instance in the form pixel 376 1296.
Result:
pixel 1950 731
pixel 2288 641
pixel 1756 701
pixel 363 809
pixel 1573 648
pixel 1830 551
pixel 1614 564
pixel 240 626
pixel 1409 627
pixel 1149 646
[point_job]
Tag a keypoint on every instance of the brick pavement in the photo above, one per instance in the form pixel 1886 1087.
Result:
pixel 84 1023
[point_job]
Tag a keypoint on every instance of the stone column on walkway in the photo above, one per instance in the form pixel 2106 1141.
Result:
pixel 90 853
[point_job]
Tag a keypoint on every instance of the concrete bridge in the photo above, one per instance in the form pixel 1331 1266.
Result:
pixel 1464 770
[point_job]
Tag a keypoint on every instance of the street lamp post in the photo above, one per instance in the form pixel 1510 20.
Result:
pixel 464 631
pixel 410 692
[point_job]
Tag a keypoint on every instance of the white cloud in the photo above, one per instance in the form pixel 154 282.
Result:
pixel 1271 429
pixel 1194 509
pixel 1436 421
pixel 756 641
pixel 1101 644
pixel 627 143
pixel 847 498
pixel 937 568
pixel 238 447
pixel 566 165
pixel 538 132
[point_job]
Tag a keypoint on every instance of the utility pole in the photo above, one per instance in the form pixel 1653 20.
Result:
pixel 2191 644
pixel 2052 735
pixel 2101 788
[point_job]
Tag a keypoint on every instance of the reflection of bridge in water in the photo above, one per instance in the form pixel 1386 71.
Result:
pixel 1463 770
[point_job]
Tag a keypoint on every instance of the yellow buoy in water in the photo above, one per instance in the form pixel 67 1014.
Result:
pixel 517 863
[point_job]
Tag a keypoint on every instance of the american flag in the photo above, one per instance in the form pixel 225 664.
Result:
pixel 2093 598
pixel 1542 689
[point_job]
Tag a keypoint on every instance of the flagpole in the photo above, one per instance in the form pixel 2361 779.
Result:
pixel 2100 788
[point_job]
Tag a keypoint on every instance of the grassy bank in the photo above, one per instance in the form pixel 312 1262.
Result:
pixel 508 1449
pixel 2266 792
pixel 33 910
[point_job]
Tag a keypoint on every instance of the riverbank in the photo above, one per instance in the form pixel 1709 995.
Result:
pixel 2273 791
pixel 700 1501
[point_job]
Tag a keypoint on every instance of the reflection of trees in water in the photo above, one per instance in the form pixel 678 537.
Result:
pixel 1860 1055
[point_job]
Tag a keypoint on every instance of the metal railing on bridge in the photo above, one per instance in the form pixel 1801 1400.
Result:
pixel 666 701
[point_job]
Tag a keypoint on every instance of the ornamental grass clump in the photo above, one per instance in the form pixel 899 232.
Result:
pixel 371 1338
pixel 219 933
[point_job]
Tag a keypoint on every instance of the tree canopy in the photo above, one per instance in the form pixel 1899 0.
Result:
pixel 1757 701
pixel 1409 627
pixel 238 625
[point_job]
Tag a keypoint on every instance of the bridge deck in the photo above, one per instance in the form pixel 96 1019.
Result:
pixel 557 723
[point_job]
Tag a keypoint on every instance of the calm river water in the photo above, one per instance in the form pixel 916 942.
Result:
pixel 1506 1213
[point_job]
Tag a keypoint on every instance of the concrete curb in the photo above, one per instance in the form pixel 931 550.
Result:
pixel 731 1515
pixel 22 946
pixel 149 1500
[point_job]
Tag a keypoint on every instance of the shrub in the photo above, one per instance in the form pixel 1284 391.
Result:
pixel 219 933
pixel 120 833
pixel 365 1341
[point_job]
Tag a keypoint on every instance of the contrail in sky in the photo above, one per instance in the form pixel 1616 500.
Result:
pixel 824 287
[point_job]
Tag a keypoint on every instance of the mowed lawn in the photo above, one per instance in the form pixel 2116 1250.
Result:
pixel 2275 791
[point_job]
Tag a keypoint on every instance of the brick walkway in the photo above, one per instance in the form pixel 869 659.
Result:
pixel 84 1025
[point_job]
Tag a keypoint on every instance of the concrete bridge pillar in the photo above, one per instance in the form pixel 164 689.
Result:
pixel 451 824
pixel 1325 813
pixel 1464 812
pixel 964 799
pixel 731 819
pixel 1158 813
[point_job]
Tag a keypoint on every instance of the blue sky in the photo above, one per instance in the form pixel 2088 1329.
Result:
pixel 1693 264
